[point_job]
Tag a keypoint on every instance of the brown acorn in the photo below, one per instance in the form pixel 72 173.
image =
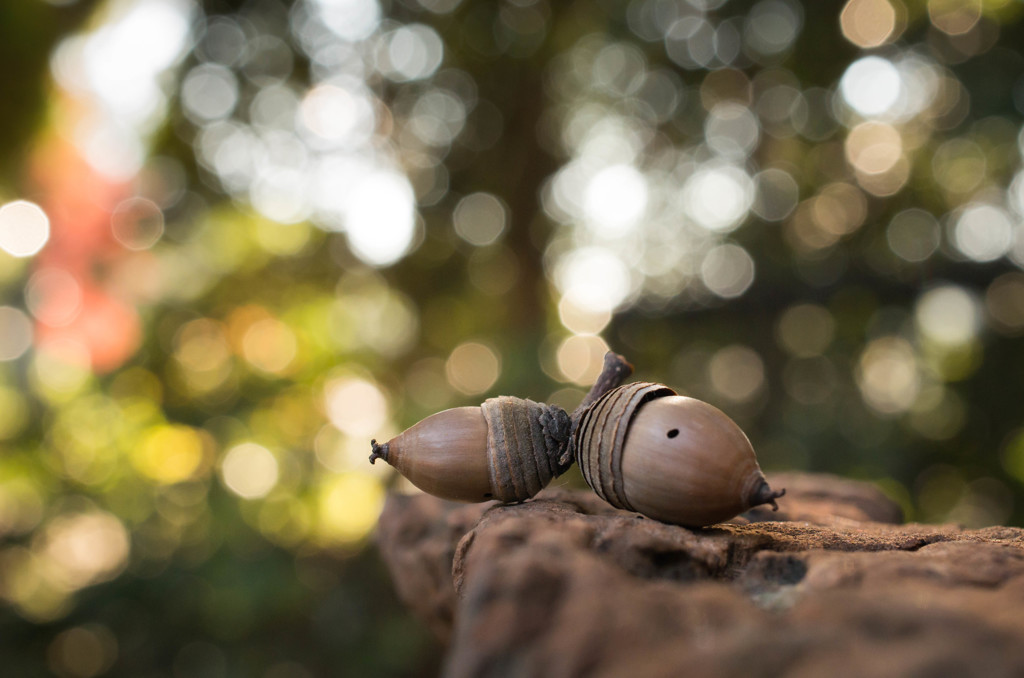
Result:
pixel 506 449
pixel 644 448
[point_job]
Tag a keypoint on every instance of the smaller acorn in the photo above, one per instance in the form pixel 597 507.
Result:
pixel 506 449
pixel 644 448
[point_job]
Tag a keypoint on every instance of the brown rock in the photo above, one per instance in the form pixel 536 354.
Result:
pixel 417 536
pixel 564 585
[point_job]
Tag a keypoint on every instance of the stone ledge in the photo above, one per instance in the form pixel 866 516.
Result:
pixel 832 584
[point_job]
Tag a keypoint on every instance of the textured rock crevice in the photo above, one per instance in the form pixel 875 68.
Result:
pixel 833 584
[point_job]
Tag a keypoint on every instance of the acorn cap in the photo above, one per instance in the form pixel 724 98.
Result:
pixel 601 435
pixel 525 440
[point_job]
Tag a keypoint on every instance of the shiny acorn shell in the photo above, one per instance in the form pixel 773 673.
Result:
pixel 644 448
pixel 506 449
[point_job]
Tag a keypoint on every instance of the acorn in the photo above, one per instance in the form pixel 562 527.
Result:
pixel 644 448
pixel 506 449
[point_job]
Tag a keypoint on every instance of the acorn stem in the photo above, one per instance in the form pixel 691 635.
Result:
pixel 765 495
pixel 615 371
pixel 379 451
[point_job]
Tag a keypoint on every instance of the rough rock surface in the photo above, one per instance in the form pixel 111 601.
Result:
pixel 831 585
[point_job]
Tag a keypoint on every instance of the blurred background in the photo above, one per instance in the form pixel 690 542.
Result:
pixel 239 239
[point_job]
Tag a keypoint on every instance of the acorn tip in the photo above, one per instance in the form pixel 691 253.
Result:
pixel 379 451
pixel 766 495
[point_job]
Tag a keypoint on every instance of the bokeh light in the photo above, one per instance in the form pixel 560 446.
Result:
pixel 355 406
pixel 871 86
pixel 580 358
pixel 15 333
pixel 24 228
pixel 728 270
pixel 805 330
pixel 954 17
pixel 772 26
pixel 137 223
pixel 480 218
pixel 350 504
pixel 379 218
pixel 718 198
pixel 1004 301
pixel 473 367
pixel 913 235
pixel 777 194
pixel 119 69
pixel 594 279
pixel 249 470
pixel 736 373
pixel 869 23
pixel 60 369
pixel 14 416
pixel 83 651
pixel 84 548
pixel 888 375
pixel 615 199
pixel 269 345
pixel 983 232
pixel 413 52
pixel 53 296
pixel 874 148
pixel 169 454
pixel 948 315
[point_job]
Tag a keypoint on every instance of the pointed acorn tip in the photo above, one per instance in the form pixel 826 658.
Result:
pixel 379 451
pixel 766 495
